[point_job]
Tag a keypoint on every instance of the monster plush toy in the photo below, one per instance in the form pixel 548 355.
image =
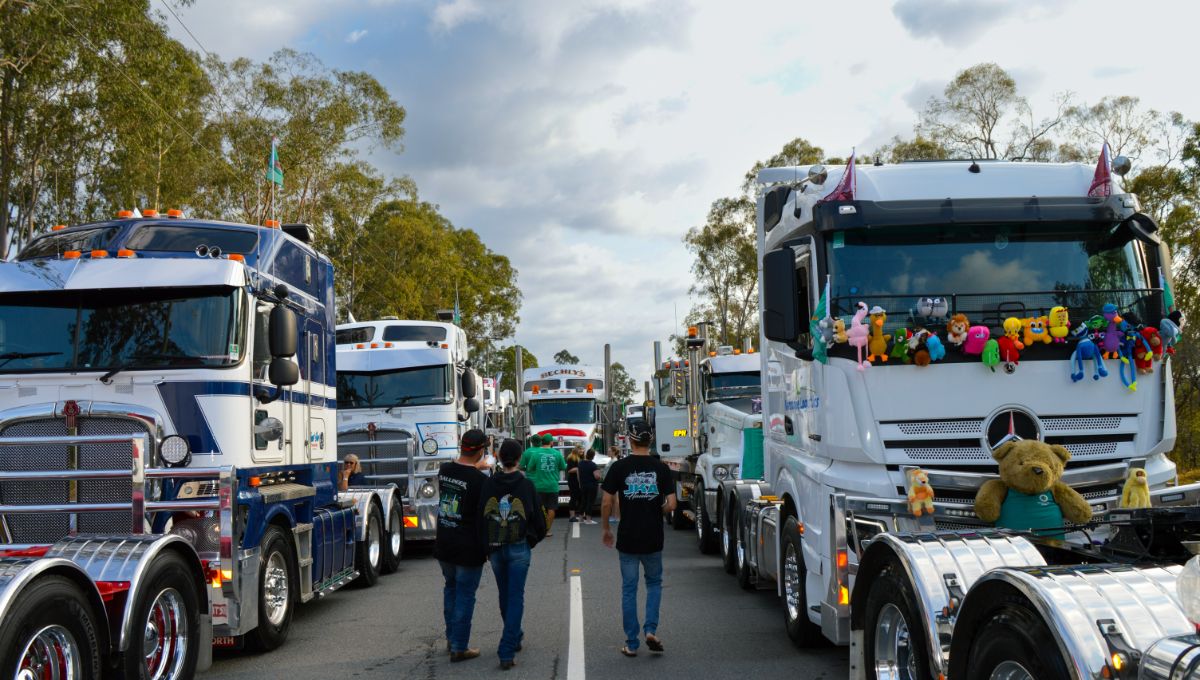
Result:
pixel 977 338
pixel 857 335
pixel 1060 324
pixel 1035 330
pixel 878 342
pixel 1114 333
pixel 1084 350
pixel 900 347
pixel 1030 493
pixel 991 354
pixel 1134 349
pixel 956 330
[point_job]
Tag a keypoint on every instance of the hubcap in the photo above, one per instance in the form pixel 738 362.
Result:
pixel 725 539
pixel 1011 670
pixel 395 536
pixel 51 654
pixel 275 589
pixel 166 636
pixel 741 553
pixel 374 542
pixel 894 656
pixel 700 521
pixel 791 582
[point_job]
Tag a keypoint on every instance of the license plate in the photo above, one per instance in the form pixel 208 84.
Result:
pixel 225 641
pixel 563 500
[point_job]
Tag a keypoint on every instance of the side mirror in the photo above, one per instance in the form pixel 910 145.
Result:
pixel 283 372
pixel 468 384
pixel 781 306
pixel 471 405
pixel 282 333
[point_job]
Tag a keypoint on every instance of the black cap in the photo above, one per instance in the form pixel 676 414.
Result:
pixel 510 452
pixel 639 431
pixel 472 441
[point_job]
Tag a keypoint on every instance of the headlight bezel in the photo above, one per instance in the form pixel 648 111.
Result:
pixel 171 443
pixel 427 490
pixel 430 446
pixel 721 472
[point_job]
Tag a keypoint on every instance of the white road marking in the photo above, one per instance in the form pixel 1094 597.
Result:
pixel 575 667
pixel 575 530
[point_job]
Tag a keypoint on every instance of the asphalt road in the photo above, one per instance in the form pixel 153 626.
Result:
pixel 711 628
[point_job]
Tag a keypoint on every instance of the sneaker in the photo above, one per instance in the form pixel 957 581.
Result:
pixel 464 655
pixel 654 644
pixel 507 665
pixel 590 521
pixel 573 519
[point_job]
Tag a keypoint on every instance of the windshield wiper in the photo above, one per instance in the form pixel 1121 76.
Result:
pixel 9 356
pixel 193 361
pixel 406 399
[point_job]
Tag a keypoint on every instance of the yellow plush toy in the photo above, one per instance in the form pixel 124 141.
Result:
pixel 1136 493
pixel 1012 331
pixel 1035 330
pixel 1060 324
pixel 877 345
pixel 920 494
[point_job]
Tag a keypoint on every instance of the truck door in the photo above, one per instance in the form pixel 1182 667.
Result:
pixel 267 449
pixel 315 412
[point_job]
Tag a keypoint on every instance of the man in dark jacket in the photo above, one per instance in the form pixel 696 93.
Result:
pixel 511 522
pixel 458 547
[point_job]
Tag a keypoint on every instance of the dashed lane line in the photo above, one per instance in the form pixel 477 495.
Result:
pixel 575 530
pixel 575 666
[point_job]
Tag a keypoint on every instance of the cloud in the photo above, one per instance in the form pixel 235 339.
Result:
pixel 355 36
pixel 450 15
pixel 958 23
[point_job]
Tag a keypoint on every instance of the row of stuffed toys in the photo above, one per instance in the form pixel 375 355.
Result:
pixel 1103 336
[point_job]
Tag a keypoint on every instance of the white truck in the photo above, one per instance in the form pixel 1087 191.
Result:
pixel 829 529
pixel 564 401
pixel 168 478
pixel 498 409
pixel 405 393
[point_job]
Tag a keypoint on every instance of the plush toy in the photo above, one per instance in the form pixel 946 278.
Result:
pixel 917 348
pixel 878 342
pixel 920 494
pixel 1092 329
pixel 956 330
pixel 1145 362
pixel 1085 350
pixel 1030 493
pixel 991 354
pixel 1035 330
pixel 1012 331
pixel 1170 332
pixel 933 308
pixel 839 331
pixel 1111 345
pixel 977 338
pixel 1134 348
pixel 1060 324
pixel 1135 494
pixel 900 347
pixel 937 351
pixel 857 335
pixel 825 332
pixel 1008 354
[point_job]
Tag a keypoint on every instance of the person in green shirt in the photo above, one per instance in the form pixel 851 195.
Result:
pixel 543 466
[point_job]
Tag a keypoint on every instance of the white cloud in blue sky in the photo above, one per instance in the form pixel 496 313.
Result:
pixel 582 139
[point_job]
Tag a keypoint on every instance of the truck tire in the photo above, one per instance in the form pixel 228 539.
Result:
pixel 745 577
pixel 802 631
pixel 50 623
pixel 393 546
pixel 278 584
pixel 368 553
pixel 1012 640
pixel 728 536
pixel 895 642
pixel 706 538
pixel 168 611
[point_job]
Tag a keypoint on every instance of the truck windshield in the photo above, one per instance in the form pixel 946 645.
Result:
pixel 128 329
pixel 731 385
pixel 419 386
pixel 554 411
pixel 989 270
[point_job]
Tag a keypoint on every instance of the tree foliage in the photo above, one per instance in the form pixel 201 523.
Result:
pixel 622 388
pixel 503 362
pixel 564 356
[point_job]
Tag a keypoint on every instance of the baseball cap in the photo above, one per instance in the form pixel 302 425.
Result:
pixel 473 440
pixel 547 439
pixel 639 431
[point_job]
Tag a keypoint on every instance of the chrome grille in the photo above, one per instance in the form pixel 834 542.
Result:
pixel 1091 449
pixel 923 454
pixel 925 427
pixel 1060 423
pixel 50 527
pixel 380 473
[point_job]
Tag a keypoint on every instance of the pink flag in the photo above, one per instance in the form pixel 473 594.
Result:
pixel 845 189
pixel 1102 181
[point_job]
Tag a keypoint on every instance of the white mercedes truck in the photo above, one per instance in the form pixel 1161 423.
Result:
pixel 828 529
pixel 564 401
pixel 405 393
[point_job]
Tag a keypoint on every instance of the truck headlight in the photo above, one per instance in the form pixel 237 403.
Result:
pixel 175 451
pixel 429 446
pixel 427 490
pixel 1188 587
pixel 721 472
pixel 733 471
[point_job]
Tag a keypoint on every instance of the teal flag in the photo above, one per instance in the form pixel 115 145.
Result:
pixel 274 171
pixel 821 327
pixel 1168 298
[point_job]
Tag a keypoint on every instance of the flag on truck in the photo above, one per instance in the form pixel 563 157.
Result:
pixel 821 326
pixel 1101 186
pixel 274 170
pixel 1168 298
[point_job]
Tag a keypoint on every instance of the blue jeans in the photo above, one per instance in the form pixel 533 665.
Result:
pixel 458 602
pixel 652 564
pixel 510 564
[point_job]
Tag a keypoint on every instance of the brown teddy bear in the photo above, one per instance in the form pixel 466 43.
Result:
pixel 1030 493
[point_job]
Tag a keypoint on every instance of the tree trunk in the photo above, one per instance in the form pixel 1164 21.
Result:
pixel 6 159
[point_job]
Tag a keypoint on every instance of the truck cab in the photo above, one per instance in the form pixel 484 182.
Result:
pixel 564 402
pixel 405 384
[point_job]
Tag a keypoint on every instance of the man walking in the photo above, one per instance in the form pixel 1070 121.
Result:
pixel 645 490
pixel 512 523
pixel 544 466
pixel 459 546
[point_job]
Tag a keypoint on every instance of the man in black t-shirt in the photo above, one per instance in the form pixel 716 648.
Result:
pixel 645 490
pixel 459 544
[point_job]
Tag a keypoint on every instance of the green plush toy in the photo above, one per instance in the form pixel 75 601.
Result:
pixel 900 349
pixel 991 354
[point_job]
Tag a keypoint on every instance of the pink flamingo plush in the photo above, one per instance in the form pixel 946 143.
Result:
pixel 858 333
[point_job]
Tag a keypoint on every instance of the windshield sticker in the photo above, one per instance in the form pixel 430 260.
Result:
pixel 235 350
pixel 839 239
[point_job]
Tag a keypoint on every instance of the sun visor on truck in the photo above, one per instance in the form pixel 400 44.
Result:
pixel 86 274
pixel 858 214
pixel 369 360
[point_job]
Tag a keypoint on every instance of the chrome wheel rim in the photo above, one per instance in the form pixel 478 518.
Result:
pixel 791 582
pixel 894 657
pixel 699 523
pixel 1011 670
pixel 374 542
pixel 166 636
pixel 725 539
pixel 51 654
pixel 741 553
pixel 395 535
pixel 275 589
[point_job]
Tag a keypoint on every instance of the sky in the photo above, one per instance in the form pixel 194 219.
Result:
pixel 582 139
